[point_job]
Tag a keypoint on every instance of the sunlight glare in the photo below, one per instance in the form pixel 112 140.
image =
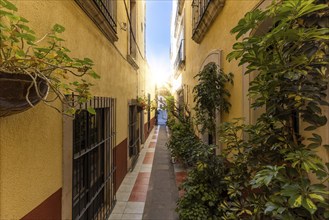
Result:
pixel 160 76
pixel 160 70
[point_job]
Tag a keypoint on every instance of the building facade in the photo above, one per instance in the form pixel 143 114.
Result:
pixel 58 167
pixel 200 34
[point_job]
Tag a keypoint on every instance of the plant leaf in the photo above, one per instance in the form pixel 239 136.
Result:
pixel 309 205
pixel 58 28
pixel 91 110
pixel 8 5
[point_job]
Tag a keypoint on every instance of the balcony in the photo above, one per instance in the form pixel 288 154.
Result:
pixel 180 6
pixel 203 14
pixel 180 58
pixel 103 14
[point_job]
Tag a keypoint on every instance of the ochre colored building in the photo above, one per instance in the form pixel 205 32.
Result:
pixel 57 167
pixel 200 34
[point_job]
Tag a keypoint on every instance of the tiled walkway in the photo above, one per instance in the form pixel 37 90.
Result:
pixel 131 195
pixel 162 193
pixel 150 191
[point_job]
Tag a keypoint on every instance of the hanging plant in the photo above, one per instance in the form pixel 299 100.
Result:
pixel 211 95
pixel 32 65
pixel 142 102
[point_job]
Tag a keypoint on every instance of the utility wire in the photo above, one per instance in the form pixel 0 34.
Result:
pixel 131 30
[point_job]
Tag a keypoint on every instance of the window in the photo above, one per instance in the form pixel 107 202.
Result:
pixel 103 13
pixel 133 48
pixel 180 57
pixel 180 6
pixel 134 140
pixel 148 112
pixel 199 7
pixel 93 191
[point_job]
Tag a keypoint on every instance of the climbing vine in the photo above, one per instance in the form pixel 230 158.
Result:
pixel 211 95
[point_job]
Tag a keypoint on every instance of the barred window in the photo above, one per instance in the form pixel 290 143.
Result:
pixel 93 190
pixel 134 136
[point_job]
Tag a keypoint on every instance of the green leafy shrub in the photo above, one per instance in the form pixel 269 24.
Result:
pixel 186 146
pixel 183 143
pixel 204 189
pixel 265 181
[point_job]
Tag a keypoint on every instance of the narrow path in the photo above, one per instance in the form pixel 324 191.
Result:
pixel 150 191
pixel 162 192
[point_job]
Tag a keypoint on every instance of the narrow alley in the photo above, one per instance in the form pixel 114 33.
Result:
pixel 164 109
pixel 150 191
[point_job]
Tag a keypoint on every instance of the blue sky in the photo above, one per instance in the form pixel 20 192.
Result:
pixel 158 14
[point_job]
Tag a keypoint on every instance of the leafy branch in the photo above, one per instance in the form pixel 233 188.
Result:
pixel 211 95
pixel 46 59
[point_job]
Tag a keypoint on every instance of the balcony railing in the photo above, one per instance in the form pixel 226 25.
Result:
pixel 203 14
pixel 180 6
pixel 180 58
pixel 103 13
pixel 199 7
pixel 106 7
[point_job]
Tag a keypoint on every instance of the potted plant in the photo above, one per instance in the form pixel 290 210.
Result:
pixel 30 67
pixel 142 103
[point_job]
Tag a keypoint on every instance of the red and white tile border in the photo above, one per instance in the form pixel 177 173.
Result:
pixel 131 195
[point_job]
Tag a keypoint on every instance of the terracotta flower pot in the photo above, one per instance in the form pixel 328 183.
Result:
pixel 13 90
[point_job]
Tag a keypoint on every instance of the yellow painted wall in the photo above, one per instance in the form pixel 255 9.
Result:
pixel 30 160
pixel 219 37
pixel 31 142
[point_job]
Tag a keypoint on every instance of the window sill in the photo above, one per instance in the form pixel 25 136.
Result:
pixel 132 62
pixel 106 24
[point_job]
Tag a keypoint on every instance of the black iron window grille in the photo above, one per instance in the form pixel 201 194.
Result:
pixel 148 112
pixel 203 14
pixel 93 190
pixel 134 140
pixel 199 8
pixel 107 9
